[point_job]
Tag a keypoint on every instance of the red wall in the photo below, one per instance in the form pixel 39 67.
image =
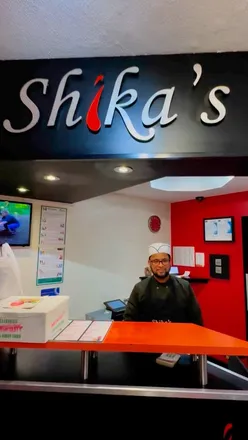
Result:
pixel 222 301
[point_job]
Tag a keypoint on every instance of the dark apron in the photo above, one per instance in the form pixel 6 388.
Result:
pixel 171 308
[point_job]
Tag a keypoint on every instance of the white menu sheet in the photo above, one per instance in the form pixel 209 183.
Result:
pixel 96 332
pixel 73 331
pixel 184 256
pixel 53 226
pixel 50 268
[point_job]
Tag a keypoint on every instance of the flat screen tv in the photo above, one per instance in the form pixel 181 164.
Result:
pixel 219 229
pixel 15 223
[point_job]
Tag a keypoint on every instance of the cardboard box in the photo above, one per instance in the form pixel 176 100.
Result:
pixel 32 319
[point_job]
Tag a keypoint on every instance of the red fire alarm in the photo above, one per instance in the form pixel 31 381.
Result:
pixel 154 223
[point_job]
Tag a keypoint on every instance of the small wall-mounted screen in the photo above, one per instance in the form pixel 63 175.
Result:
pixel 219 229
pixel 15 223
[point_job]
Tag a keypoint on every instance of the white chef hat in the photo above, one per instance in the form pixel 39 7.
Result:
pixel 159 248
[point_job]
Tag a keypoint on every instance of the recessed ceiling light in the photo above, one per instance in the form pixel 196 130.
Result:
pixel 22 189
pixel 51 178
pixel 123 169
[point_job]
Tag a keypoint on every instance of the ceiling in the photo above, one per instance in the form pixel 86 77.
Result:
pixel 84 179
pixel 78 180
pixel 91 28
pixel 144 190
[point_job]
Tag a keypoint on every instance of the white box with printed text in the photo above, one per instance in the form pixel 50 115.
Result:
pixel 32 319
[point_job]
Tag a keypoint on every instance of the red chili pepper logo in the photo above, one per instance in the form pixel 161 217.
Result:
pixel 92 118
pixel 227 434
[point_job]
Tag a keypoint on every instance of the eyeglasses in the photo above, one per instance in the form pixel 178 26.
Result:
pixel 164 261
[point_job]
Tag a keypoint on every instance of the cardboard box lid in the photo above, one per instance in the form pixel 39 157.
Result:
pixel 26 305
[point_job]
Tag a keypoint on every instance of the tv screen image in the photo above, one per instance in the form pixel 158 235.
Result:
pixel 15 223
pixel 219 229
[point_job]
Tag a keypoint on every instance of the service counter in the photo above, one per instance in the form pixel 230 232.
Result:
pixel 151 397
pixel 128 385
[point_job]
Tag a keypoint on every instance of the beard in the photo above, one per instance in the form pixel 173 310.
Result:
pixel 161 274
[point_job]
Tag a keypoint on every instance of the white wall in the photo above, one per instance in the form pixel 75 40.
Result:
pixel 107 248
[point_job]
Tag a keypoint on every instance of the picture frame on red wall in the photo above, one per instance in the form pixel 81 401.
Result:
pixel 219 229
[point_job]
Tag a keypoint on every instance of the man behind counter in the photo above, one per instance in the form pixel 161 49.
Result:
pixel 162 297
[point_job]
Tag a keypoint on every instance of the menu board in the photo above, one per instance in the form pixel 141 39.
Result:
pixel 50 267
pixel 52 226
pixel 51 253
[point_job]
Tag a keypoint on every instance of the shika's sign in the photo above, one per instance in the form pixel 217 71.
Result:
pixel 135 107
pixel 121 100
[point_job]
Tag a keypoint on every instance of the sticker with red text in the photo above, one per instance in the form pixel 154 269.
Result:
pixel 10 330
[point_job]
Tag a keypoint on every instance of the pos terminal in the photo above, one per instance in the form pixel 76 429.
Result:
pixel 117 307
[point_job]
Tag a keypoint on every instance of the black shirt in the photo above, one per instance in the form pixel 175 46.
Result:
pixel 173 301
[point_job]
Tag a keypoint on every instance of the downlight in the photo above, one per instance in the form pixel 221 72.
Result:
pixel 123 169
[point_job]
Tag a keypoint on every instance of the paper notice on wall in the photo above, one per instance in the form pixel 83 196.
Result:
pixel 52 226
pixel 73 331
pixel 200 259
pixel 184 256
pixel 50 268
pixel 96 332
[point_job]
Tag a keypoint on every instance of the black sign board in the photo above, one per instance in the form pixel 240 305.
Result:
pixel 135 107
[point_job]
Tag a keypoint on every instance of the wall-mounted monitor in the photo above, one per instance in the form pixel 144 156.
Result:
pixel 15 223
pixel 219 229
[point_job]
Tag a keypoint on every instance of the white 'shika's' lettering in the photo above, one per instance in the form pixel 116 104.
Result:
pixel 59 100
pixel 115 105
pixel 145 117
pixel 198 70
pixel 30 105
pixel 215 102
pixel 148 119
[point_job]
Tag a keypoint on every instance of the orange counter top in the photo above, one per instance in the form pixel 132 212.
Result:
pixel 152 338
pixel 174 338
